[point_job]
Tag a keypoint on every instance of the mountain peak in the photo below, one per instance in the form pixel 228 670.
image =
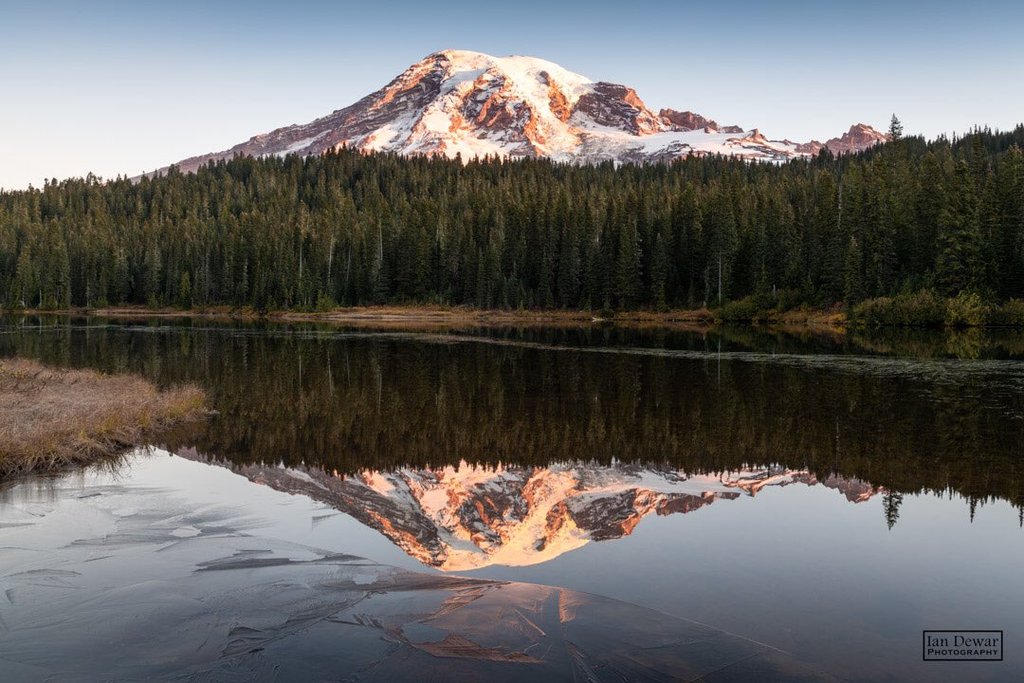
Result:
pixel 861 136
pixel 467 103
pixel 456 54
pixel 472 59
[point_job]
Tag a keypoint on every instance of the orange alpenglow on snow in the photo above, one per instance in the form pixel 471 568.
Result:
pixel 457 102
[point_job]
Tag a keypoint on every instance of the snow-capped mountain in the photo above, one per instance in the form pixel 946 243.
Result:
pixel 464 518
pixel 471 104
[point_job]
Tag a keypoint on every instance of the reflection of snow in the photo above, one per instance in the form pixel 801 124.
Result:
pixel 467 517
pixel 177 565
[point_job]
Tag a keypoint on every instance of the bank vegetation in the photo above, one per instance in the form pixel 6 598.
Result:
pixel 53 418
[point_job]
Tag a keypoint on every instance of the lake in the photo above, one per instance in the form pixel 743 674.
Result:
pixel 815 501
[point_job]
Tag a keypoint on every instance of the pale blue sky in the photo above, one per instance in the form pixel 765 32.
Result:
pixel 124 87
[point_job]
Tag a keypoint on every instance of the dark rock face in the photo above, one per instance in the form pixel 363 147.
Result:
pixel 617 106
pixel 688 120
pixel 859 138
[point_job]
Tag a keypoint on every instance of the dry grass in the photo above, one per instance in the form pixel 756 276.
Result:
pixel 52 418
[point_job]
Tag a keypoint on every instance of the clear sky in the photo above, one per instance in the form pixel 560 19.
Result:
pixel 124 87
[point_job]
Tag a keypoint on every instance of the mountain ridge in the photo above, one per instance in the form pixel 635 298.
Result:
pixel 472 105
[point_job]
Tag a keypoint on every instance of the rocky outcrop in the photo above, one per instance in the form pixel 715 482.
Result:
pixel 616 106
pixel 859 138
pixel 688 120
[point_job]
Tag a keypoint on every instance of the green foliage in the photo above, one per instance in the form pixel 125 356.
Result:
pixel 185 290
pixel 1010 313
pixel 853 270
pixel 965 344
pixel 741 310
pixel 920 309
pixel 925 309
pixel 354 229
pixel 325 303
pixel 967 309
pixel 895 129
pixel 959 263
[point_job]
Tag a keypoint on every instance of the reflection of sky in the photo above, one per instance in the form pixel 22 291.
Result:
pixel 798 567
pixel 118 87
pixel 295 519
pixel 803 569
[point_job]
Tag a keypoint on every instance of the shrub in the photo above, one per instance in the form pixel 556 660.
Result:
pixel 1011 314
pixel 324 303
pixel 967 310
pixel 920 309
pixel 740 310
pixel 787 299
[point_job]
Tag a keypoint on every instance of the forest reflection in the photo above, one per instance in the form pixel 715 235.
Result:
pixel 351 402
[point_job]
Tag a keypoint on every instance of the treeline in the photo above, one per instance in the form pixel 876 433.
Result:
pixel 945 216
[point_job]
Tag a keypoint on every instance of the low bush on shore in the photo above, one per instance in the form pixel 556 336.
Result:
pixel 923 308
pixel 1009 314
pixel 920 309
pixel 52 418
pixel 782 308
pixel 926 309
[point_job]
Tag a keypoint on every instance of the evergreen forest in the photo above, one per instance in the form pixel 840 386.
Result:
pixel 943 217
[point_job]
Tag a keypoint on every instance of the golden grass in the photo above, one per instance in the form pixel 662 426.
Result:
pixel 52 418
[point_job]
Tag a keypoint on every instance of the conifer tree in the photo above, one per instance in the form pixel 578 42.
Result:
pixel 895 129
pixel 358 229
pixel 958 265
pixel 853 273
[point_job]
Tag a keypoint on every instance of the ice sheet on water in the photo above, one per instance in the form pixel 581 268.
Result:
pixel 108 577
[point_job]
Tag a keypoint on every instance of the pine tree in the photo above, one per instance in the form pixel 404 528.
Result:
pixel 627 265
pixel 895 129
pixel 569 265
pixel 891 503
pixel 722 244
pixel 356 228
pixel 659 272
pixel 185 290
pixel 853 274
pixel 24 284
pixel 958 266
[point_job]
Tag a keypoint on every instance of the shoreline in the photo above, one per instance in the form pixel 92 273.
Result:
pixel 446 317
pixel 53 418
pixel 413 317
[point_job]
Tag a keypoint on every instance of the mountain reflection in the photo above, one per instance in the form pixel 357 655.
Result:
pixel 459 518
pixel 321 400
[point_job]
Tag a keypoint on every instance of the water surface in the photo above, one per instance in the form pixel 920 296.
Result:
pixel 829 496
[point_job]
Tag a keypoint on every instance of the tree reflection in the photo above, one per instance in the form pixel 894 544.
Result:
pixel 352 402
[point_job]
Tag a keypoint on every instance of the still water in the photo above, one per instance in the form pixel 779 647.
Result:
pixel 827 496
